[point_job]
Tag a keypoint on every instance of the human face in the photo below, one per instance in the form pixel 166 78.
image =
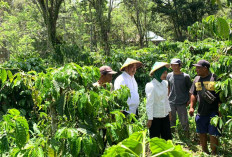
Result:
pixel 201 71
pixel 175 68
pixel 108 78
pixel 131 69
pixel 164 75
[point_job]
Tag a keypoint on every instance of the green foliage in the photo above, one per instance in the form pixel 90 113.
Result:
pixel 160 147
pixel 183 13
pixel 135 146
pixel 14 128
pixel 132 146
pixel 30 64
pixel 209 27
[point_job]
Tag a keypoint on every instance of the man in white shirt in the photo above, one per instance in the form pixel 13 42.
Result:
pixel 127 78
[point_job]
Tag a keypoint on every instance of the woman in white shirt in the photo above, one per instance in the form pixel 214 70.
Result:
pixel 158 108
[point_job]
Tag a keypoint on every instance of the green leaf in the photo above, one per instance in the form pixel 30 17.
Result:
pixel 60 104
pixel 213 1
pixel 4 144
pixel 18 79
pixel 3 75
pixel 10 76
pixel 223 29
pixel 214 121
pixel 118 151
pixel 14 112
pixel 133 145
pixel 21 131
pixel 76 146
pixel 51 152
pixel 158 145
pixel 87 144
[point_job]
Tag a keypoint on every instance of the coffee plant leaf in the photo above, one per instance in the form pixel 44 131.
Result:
pixel 21 131
pixel 133 145
pixel 223 29
pixel 10 76
pixel 158 145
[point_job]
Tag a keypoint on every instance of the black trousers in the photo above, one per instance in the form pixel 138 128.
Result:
pixel 161 128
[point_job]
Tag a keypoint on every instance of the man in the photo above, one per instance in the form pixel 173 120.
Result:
pixel 179 84
pixel 208 105
pixel 106 77
pixel 127 78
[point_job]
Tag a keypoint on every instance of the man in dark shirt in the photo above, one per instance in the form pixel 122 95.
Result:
pixel 106 77
pixel 205 81
pixel 179 84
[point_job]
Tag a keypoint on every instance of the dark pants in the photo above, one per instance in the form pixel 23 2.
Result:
pixel 161 128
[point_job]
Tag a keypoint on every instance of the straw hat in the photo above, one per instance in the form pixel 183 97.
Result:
pixel 158 65
pixel 130 61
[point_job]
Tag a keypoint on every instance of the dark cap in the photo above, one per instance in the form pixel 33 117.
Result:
pixel 202 63
pixel 176 61
pixel 106 70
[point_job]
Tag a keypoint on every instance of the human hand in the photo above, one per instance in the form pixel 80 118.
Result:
pixel 191 111
pixel 149 123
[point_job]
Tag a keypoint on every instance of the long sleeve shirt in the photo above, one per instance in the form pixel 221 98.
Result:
pixel 130 82
pixel 157 99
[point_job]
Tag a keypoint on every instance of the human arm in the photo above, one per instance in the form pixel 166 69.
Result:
pixel 167 78
pixel 149 89
pixel 188 83
pixel 193 101
pixel 149 123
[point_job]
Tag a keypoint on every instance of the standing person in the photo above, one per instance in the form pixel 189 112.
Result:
pixel 158 108
pixel 127 78
pixel 179 84
pixel 203 91
pixel 106 77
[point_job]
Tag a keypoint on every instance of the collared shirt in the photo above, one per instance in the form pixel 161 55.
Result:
pixel 130 82
pixel 157 99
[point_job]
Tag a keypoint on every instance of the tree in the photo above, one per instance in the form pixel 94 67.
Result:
pixel 138 10
pixel 50 11
pixel 103 20
pixel 183 13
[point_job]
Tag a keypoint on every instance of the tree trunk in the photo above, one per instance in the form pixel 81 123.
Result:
pixel 50 10
pixel 53 118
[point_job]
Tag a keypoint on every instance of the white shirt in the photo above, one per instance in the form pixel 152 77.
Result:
pixel 157 99
pixel 129 81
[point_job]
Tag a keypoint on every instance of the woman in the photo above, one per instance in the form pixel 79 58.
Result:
pixel 158 108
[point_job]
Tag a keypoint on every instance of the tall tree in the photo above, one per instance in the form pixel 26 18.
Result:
pixel 103 12
pixel 138 10
pixel 50 11
pixel 183 13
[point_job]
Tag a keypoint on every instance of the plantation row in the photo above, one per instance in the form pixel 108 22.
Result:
pixel 58 112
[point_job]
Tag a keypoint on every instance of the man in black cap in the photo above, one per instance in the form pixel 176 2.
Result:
pixel 106 77
pixel 179 84
pixel 203 91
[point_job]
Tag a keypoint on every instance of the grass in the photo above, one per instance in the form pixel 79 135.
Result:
pixel 192 144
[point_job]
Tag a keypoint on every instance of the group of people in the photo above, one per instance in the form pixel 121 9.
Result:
pixel 171 93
